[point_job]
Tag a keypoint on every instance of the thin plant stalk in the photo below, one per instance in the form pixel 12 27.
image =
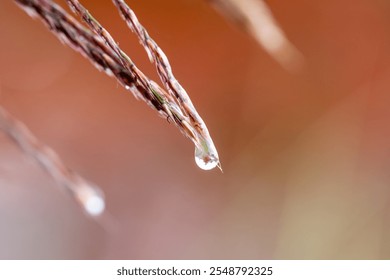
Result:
pixel 86 194
pixel 256 18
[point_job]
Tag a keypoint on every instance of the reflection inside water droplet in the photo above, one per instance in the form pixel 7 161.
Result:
pixel 205 160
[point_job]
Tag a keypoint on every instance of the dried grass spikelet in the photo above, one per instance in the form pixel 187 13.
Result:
pixel 101 49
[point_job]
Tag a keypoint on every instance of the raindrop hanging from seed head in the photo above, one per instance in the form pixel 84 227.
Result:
pixel 204 160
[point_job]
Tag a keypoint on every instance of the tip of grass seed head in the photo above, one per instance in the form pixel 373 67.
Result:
pixel 219 165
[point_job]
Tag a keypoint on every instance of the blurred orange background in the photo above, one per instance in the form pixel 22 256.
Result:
pixel 306 156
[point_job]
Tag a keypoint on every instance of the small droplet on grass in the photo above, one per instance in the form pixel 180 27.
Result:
pixel 204 160
pixel 91 200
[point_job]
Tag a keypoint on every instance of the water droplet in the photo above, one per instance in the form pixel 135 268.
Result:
pixel 91 199
pixel 95 205
pixel 204 160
